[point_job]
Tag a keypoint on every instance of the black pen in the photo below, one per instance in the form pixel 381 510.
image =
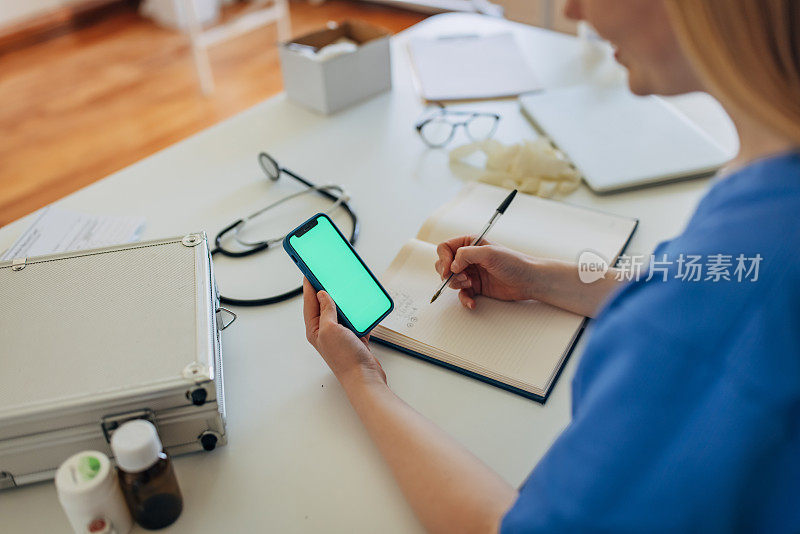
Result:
pixel 500 210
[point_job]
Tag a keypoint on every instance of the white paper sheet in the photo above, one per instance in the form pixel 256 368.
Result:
pixel 59 230
pixel 471 66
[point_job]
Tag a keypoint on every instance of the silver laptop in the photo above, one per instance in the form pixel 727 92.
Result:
pixel 620 141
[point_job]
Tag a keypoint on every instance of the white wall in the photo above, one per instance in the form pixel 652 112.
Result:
pixel 13 11
pixel 533 11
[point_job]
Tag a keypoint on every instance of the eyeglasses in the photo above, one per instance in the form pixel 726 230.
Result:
pixel 438 129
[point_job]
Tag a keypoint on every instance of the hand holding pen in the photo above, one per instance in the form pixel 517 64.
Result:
pixel 449 257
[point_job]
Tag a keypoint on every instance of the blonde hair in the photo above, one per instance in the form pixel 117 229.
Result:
pixel 748 52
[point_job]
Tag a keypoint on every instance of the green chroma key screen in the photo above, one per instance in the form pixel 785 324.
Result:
pixel 341 273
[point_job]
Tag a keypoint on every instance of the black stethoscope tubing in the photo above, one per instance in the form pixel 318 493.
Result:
pixel 265 301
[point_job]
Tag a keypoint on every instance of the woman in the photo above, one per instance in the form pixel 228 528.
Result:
pixel 686 402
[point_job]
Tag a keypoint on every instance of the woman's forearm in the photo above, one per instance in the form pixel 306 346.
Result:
pixel 557 283
pixel 449 489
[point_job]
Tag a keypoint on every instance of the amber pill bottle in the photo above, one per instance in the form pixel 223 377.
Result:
pixel 146 475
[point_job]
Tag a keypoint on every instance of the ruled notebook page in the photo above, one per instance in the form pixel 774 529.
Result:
pixel 536 226
pixel 519 342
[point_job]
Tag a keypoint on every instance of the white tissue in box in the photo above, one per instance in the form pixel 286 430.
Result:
pixel 336 82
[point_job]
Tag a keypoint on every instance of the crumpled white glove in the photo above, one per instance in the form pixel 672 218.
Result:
pixel 533 167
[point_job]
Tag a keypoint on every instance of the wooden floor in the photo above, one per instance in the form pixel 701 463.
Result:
pixel 81 106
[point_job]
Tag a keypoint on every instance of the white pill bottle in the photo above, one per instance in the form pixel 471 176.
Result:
pixel 88 489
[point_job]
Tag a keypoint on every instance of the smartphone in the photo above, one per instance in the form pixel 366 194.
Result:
pixel 329 262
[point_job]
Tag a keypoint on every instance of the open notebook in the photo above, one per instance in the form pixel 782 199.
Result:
pixel 518 346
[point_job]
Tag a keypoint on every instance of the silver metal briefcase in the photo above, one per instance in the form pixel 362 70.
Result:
pixel 93 338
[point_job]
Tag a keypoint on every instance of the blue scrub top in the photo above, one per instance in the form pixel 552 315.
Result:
pixel 686 402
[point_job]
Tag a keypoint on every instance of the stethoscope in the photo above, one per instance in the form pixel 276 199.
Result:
pixel 335 193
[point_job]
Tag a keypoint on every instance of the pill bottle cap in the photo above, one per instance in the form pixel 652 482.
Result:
pixel 136 445
pixel 84 477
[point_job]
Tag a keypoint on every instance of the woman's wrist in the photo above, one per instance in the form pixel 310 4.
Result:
pixel 359 378
pixel 545 278
pixel 558 283
pixel 363 389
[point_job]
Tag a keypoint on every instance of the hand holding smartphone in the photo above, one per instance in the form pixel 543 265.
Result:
pixel 330 263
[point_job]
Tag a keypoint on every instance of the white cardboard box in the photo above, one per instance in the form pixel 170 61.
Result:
pixel 337 82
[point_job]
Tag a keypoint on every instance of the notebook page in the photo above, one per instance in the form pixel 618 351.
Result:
pixel 521 340
pixel 536 226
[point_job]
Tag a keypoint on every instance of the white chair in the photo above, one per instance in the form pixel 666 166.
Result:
pixel 259 13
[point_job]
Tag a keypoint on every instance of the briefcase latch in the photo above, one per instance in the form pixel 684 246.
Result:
pixel 17 264
pixel 110 423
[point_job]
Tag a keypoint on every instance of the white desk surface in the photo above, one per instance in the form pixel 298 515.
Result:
pixel 298 459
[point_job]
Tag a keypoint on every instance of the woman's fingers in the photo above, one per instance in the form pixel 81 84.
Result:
pixel 463 241
pixel 456 254
pixel 460 281
pixel 467 298
pixel 448 251
pixel 310 311
pixel 445 254
pixel 310 302
pixel 327 309
pixel 466 256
